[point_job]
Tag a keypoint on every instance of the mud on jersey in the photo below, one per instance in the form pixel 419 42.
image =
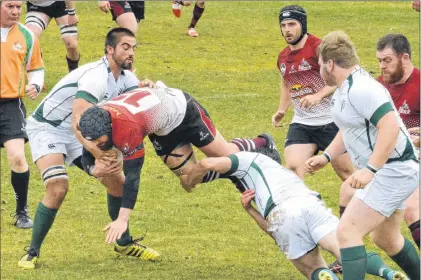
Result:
pixel 300 72
pixel 406 98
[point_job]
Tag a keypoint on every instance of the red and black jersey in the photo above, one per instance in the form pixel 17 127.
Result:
pixel 301 75
pixel 406 98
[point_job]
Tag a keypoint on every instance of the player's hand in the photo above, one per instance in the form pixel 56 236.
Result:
pixel 107 157
pixel 360 178
pixel 246 198
pixel 147 83
pixel 115 230
pixel 309 101
pixel 31 91
pixel 315 163
pixel 415 140
pixel 416 5
pixel 186 183
pixel 102 170
pixel 104 6
pixel 72 20
pixel 277 117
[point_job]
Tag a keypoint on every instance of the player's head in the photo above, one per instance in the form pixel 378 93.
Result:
pixel 120 45
pixel 335 51
pixel 394 55
pixel 10 13
pixel 95 125
pixel 293 23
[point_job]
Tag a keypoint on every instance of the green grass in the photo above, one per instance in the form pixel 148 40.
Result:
pixel 231 70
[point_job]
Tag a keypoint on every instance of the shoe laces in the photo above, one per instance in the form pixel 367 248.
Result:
pixel 31 252
pixel 137 240
pixel 20 215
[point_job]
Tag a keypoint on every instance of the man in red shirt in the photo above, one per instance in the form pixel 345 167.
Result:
pixel 172 120
pixel 312 128
pixel 402 80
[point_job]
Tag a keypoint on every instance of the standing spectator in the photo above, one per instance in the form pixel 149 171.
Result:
pixel 378 143
pixel 199 8
pixel 20 53
pixel 39 15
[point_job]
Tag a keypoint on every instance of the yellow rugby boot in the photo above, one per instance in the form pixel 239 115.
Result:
pixel 137 250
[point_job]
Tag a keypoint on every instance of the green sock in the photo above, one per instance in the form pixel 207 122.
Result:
pixel 376 266
pixel 354 263
pixel 408 260
pixel 326 271
pixel 44 218
pixel 114 204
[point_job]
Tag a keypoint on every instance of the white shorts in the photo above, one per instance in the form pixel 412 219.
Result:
pixel 46 139
pixel 298 224
pixel 391 187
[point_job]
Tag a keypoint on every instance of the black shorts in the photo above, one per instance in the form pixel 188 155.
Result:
pixel 55 10
pixel 196 128
pixel 321 135
pixel 121 7
pixel 12 120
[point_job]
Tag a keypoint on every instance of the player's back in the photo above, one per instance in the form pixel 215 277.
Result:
pixel 272 182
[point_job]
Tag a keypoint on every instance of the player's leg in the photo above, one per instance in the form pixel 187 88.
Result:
pixel 123 15
pixel 69 37
pixel 313 266
pixel 55 179
pixel 199 8
pixel 13 138
pixel 389 238
pixel 412 215
pixel 36 18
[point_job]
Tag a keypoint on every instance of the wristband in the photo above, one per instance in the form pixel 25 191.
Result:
pixel 327 156
pixel 71 12
pixel 371 168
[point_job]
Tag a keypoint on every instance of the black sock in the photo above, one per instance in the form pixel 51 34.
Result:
pixel 415 231
pixel 20 182
pixel 72 64
pixel 197 13
pixel 341 210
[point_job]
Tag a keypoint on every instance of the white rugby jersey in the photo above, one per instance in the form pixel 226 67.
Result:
pixel 93 82
pixel 272 182
pixel 358 105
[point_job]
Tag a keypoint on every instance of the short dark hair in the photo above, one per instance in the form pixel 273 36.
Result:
pixel 398 42
pixel 114 35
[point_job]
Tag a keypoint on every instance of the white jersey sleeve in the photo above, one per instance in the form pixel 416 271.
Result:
pixel 130 82
pixel 370 99
pixel 92 86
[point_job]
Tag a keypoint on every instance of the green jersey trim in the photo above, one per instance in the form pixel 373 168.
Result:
pixel 87 96
pixel 234 164
pixel 269 204
pixel 380 112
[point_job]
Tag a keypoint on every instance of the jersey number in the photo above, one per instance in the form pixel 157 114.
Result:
pixel 136 102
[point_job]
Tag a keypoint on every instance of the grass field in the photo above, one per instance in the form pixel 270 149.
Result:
pixel 231 70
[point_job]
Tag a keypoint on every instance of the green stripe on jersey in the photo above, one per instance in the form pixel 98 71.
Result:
pixel 87 96
pixel 270 204
pixel 38 116
pixel 29 42
pixel 408 154
pixel 380 112
pixel 234 164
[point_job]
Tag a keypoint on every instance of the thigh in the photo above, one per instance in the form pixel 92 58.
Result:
pixel 296 155
pixel 219 147
pixel 49 160
pixel 180 160
pixel 37 21
pixel 12 121
pixel 15 148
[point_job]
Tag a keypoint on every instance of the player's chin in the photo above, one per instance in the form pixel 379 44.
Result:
pixel 127 66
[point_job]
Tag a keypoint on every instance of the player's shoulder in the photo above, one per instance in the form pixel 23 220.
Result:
pixel 313 40
pixel 96 70
pixel 25 32
pixel 416 75
pixel 360 81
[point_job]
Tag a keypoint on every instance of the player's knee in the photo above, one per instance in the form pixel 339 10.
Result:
pixel 412 213
pixel 295 168
pixel 17 160
pixel 56 180
pixel 345 233
pixel 70 43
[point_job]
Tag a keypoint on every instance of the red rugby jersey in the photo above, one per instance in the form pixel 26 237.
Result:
pixel 300 72
pixel 406 98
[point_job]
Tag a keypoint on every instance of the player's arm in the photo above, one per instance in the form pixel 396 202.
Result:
pixel 312 100
pixel 246 199
pixel 132 169
pixel 195 176
pixel 35 70
pixel 285 102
